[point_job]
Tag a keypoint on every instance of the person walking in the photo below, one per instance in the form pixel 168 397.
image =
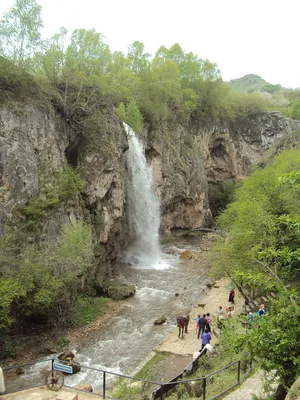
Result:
pixel 208 320
pixel 220 312
pixel 231 296
pixel 206 338
pixel 201 325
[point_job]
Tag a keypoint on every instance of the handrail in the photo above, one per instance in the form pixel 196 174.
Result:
pixel 163 387
pixel 24 365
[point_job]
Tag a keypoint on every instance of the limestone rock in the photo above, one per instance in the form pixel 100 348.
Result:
pixel 120 292
pixel 160 320
pixel 84 386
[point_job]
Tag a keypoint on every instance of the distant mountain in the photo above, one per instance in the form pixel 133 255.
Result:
pixel 251 83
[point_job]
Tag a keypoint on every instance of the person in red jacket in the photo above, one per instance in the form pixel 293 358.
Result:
pixel 231 296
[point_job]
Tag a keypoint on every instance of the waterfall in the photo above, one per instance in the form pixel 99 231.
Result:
pixel 142 204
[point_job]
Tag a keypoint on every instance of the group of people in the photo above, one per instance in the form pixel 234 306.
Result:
pixel 203 328
pixel 204 322
pixel 261 311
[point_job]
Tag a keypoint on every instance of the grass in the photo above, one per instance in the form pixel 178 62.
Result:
pixel 145 372
pixel 88 309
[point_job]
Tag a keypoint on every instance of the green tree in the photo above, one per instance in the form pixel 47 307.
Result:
pixel 20 31
pixel 139 60
pixel 295 112
pixel 273 339
pixel 262 224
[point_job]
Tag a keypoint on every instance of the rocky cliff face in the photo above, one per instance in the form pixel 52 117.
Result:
pixel 35 142
pixel 231 151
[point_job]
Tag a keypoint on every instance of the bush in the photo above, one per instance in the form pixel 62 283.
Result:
pixel 220 194
pixel 54 190
pixel 88 308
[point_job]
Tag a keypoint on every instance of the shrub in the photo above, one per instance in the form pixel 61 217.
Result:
pixel 88 308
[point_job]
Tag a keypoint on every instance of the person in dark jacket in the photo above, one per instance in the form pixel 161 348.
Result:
pixel 201 325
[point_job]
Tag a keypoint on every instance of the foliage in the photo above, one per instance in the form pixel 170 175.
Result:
pixel 128 389
pixel 269 88
pixel 145 372
pixel 261 251
pixel 88 308
pixel 173 86
pixel 43 282
pixel 19 30
pixel 295 111
pixel 10 291
pixel 62 341
pixel 16 80
pixel 248 83
pixel 260 238
pixel 273 338
pixel 131 115
pixel 54 190
pixel 221 194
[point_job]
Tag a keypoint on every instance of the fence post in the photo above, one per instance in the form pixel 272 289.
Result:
pixel 204 389
pixel 104 383
pixel 162 390
pixel 239 372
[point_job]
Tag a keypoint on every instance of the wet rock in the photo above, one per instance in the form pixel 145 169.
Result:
pixel 131 260
pixel 120 292
pixel 67 358
pixel 85 387
pixel 20 371
pixel 209 284
pixel 187 255
pixel 66 355
pixel 160 320
pixel 172 250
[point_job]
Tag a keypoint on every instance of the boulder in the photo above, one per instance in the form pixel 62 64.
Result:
pixel 84 386
pixel 67 358
pixel 160 320
pixel 120 292
pixel 187 255
pixel 20 371
pixel 65 355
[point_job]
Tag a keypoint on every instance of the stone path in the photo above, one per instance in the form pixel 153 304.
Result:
pixel 214 297
pixel 43 393
pixel 251 386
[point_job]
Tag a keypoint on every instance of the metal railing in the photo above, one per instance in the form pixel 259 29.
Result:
pixel 206 380
pixel 14 384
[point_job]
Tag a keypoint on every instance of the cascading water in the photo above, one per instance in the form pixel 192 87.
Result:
pixel 143 204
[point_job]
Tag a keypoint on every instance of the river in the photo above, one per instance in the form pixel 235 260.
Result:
pixel 169 289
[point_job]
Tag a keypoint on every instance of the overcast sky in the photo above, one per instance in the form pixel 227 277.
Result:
pixel 241 36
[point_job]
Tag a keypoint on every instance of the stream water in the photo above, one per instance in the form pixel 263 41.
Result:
pixel 131 336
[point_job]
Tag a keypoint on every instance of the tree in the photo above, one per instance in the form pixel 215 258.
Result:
pixel 139 61
pixel 295 112
pixel 273 339
pixel 77 75
pixel 262 225
pixel 19 30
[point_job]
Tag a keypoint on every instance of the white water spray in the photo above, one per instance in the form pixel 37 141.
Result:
pixel 143 205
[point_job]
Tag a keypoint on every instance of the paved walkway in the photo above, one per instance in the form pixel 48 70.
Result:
pixel 217 295
pixel 43 393
pixel 251 386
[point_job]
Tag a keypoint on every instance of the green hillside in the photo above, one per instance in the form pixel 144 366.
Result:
pixel 251 83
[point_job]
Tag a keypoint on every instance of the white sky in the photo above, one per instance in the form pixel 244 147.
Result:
pixel 241 36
